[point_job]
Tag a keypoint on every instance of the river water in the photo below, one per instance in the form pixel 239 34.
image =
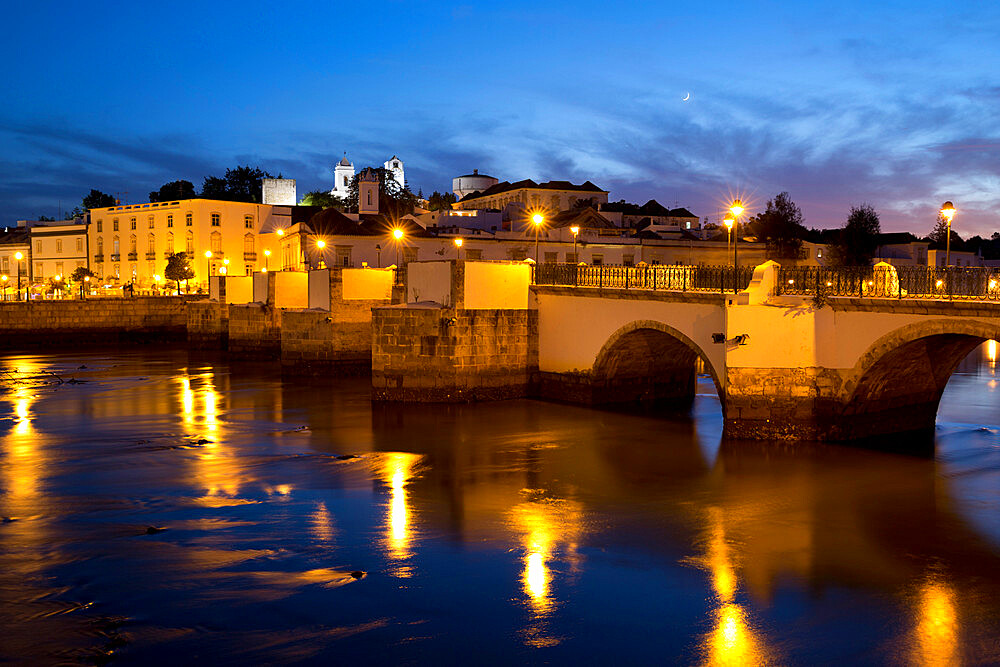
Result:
pixel 167 506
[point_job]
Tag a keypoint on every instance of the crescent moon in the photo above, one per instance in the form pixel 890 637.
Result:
pixel 686 97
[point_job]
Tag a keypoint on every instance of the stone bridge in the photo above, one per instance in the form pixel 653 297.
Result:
pixel 784 367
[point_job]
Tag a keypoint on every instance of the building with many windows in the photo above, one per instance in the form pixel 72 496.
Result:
pixel 57 249
pixel 132 242
pixel 552 196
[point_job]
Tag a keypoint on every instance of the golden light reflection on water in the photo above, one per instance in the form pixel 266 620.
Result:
pixel 936 636
pixel 991 352
pixel 217 471
pixel 546 528
pixel 322 525
pixel 396 469
pixel 732 641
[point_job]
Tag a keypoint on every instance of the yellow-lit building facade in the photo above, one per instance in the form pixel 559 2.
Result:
pixel 132 242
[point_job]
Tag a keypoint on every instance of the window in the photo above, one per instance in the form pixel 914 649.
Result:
pixel 117 247
pixel 189 244
pixel 118 271
pixel 369 197
pixel 216 220
pixel 216 240
pixel 152 244
pixel 597 260
pixel 150 222
pixel 114 224
pixel 100 246
pixel 58 245
pixel 170 242
pixel 170 221
pixel 38 247
pixel 131 222
pixel 345 181
pixel 131 244
pixel 248 222
pixel 6 264
pixel 100 226
pixel 571 258
pixel 188 219
pixel 474 253
pixel 38 270
pixel 551 257
pixel 59 268
pixel 151 268
pixel 628 260
pixel 79 245
pixel 249 246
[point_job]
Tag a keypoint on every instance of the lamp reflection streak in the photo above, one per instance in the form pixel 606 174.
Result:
pixel 936 636
pixel 397 468
pixel 732 640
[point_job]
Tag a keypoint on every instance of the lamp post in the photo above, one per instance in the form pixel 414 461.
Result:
pixel 267 254
pixel 728 222
pixel 397 234
pixel 538 219
pixel 458 248
pixel 320 244
pixel 948 212
pixel 208 267
pixel 378 254
pixel 4 279
pixel 86 286
pixel 576 232
pixel 737 210
pixel 18 256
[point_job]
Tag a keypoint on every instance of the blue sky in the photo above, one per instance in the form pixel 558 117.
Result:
pixel 894 104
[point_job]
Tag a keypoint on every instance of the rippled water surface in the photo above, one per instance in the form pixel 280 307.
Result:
pixel 165 506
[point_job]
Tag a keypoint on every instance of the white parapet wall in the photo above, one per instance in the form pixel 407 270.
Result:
pixel 367 284
pixel 429 281
pixel 291 289
pixel 239 289
pixel 319 289
pixel 260 284
pixel 497 285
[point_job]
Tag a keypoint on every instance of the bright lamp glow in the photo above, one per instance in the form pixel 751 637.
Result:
pixel 948 211
pixel 538 218
pixel 397 233
pixel 458 242
pixel 737 208
pixel 208 254
pixel 321 244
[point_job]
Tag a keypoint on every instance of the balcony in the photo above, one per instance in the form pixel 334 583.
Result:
pixel 133 256
pixel 150 255
pixel 116 257
pixel 249 257
pixel 99 258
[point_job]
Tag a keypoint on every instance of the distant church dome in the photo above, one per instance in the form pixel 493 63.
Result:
pixel 474 182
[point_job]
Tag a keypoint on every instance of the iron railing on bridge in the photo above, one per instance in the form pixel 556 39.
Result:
pixel 653 277
pixel 966 283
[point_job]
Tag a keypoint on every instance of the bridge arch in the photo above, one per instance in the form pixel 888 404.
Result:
pixel 896 385
pixel 648 360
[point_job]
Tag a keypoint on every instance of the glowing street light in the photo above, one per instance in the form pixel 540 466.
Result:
pixel 728 221
pixel 397 234
pixel 18 256
pixel 537 219
pixel 267 254
pixel 208 265
pixel 736 209
pixel 948 212
pixel 576 232
pixel 458 248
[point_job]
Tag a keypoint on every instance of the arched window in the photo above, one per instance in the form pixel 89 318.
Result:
pixel 152 244
pixel 131 244
pixel 170 243
pixel 249 244
pixel 189 244
pixel 216 241
pixel 117 246
pixel 100 245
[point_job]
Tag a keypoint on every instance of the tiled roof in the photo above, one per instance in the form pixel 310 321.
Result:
pixel 506 186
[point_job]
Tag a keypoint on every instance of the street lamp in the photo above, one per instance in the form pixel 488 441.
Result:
pixel 458 248
pixel 737 210
pixel 538 219
pixel 320 244
pixel 948 212
pixel 576 231
pixel 397 234
pixel 728 222
pixel 378 254
pixel 4 279
pixel 18 256
pixel 208 266
pixel 267 253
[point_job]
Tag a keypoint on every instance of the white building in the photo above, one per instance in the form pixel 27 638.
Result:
pixel 395 166
pixel 342 175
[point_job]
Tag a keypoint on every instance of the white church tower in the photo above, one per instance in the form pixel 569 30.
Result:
pixel 342 175
pixel 395 166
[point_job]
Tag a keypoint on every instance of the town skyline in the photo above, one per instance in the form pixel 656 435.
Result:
pixel 894 108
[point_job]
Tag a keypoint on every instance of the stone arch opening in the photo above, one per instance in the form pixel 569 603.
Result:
pixel 901 378
pixel 648 361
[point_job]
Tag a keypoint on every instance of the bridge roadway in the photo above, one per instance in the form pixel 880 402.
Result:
pixel 784 368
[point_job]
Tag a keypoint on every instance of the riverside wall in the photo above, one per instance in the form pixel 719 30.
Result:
pixel 95 320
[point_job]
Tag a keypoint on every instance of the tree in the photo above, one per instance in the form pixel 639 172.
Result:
pixel 321 198
pixel 97 199
pixel 438 201
pixel 239 184
pixel 858 240
pixel 45 218
pixel 79 276
pixel 173 191
pixel 178 269
pixel 394 200
pixel 780 227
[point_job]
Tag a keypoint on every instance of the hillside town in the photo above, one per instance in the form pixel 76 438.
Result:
pixel 369 218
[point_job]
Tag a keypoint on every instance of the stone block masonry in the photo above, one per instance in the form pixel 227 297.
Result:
pixel 428 353
pixel 313 342
pixel 208 325
pixel 94 320
pixel 255 332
